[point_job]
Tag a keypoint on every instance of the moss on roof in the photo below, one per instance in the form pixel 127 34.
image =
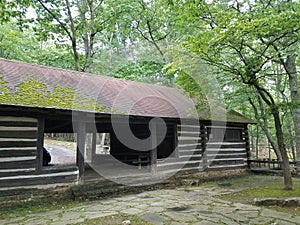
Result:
pixel 39 86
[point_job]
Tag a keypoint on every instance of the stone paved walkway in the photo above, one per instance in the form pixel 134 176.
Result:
pixel 190 206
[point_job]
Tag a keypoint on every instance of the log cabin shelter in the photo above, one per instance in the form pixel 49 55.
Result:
pixel 122 128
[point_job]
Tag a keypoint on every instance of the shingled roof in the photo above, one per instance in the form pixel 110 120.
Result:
pixel 109 94
pixel 98 93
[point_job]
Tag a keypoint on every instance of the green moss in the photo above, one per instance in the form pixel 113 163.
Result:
pixel 267 191
pixel 35 93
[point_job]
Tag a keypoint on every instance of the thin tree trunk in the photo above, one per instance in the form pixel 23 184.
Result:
pixel 288 183
pixel 290 67
pixel 268 99
pixel 73 37
pixel 264 126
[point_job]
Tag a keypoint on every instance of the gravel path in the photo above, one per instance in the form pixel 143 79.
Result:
pixel 60 155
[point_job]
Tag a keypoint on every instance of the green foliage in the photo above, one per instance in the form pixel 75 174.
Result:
pixel 145 71
pixel 13 9
pixel 35 93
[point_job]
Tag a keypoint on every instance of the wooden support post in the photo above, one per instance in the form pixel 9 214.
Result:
pixel 204 134
pixel 247 143
pixel 81 134
pixel 154 149
pixel 40 144
pixel 175 151
pixel 94 142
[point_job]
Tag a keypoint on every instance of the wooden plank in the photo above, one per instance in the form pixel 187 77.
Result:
pixel 175 141
pixel 94 145
pixel 17 119
pixel 153 153
pixel 17 153
pixel 204 147
pixel 222 167
pixel 16 172
pixel 40 144
pixel 16 159
pixel 189 129
pixel 18 134
pixel 189 146
pixel 191 152
pixel 18 128
pixel 189 142
pixel 189 134
pixel 18 164
pixel 227 156
pixel 226 145
pixel 81 134
pixel 17 124
pixel 247 145
pixel 226 150
pixel 9 144
pixel 28 180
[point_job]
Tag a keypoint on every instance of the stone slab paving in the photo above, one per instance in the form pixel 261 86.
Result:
pixel 185 206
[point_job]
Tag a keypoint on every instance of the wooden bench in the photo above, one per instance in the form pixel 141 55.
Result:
pixel 135 158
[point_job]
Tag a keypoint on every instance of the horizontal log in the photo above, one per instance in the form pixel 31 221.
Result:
pixel 190 129
pixel 191 157
pixel 10 144
pixel 17 172
pixel 182 147
pixel 190 134
pixel 18 128
pixel 226 162
pixel 224 146
pixel 225 167
pixel 178 166
pixel 32 171
pixel 18 134
pixel 16 159
pixel 18 164
pixel 17 124
pixel 180 160
pixel 180 138
pixel 185 142
pixel 228 157
pixel 190 152
pixel 38 179
pixel 17 153
pixel 226 151
pixel 17 119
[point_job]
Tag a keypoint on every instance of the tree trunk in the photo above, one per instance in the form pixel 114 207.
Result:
pixel 288 183
pixel 290 67
pixel 265 125
pixel 268 99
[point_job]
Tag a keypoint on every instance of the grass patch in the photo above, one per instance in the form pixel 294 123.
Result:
pixel 24 208
pixel 267 191
pixel 114 220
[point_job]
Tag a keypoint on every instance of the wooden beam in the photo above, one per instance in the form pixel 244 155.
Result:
pixel 40 144
pixel 81 134
pixel 175 141
pixel 204 147
pixel 247 143
pixel 94 142
pixel 154 148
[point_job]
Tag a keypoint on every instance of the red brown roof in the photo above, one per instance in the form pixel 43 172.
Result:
pixel 115 95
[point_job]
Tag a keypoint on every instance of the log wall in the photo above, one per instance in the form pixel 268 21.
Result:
pixel 227 149
pixel 19 138
pixel 189 151
pixel 208 147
